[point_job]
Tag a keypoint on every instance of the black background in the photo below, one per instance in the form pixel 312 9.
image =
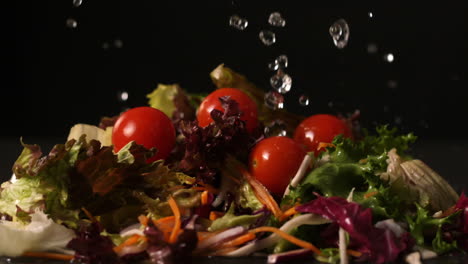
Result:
pixel 55 76
pixel 64 76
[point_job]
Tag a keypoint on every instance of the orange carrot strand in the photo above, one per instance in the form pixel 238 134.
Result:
pixel 290 238
pixel 176 211
pixel 204 198
pixel 48 255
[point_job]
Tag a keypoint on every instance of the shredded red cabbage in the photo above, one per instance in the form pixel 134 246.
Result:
pixel 377 245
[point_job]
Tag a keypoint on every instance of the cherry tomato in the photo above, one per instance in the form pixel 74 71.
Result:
pixel 246 105
pixel 320 128
pixel 274 161
pixel 146 126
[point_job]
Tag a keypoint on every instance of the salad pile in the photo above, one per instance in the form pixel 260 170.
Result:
pixel 222 174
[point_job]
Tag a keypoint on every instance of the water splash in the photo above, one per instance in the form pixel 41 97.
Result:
pixel 238 22
pixel 281 82
pixel 274 100
pixel 267 37
pixel 77 3
pixel 281 62
pixel 275 128
pixel 276 20
pixel 339 31
pixel 304 100
pixel 71 23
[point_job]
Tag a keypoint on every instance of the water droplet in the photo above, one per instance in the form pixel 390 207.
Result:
pixel 389 57
pixel 304 100
pixel 267 37
pixel 331 104
pixel 339 32
pixel 281 82
pixel 372 48
pixel 275 128
pixel 281 62
pixel 238 22
pixel 276 20
pixel 122 96
pixel 274 100
pixel 370 14
pixel 386 109
pixel 71 23
pixel 118 43
pixel 77 3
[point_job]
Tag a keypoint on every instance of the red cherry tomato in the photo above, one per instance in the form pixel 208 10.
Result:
pixel 146 126
pixel 274 161
pixel 320 128
pixel 246 105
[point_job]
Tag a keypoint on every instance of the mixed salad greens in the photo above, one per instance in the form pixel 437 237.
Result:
pixel 360 197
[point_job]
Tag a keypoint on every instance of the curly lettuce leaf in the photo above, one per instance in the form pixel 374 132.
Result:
pixel 358 164
pixel 172 100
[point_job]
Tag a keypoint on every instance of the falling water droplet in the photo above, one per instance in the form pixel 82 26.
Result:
pixel 304 100
pixel 281 62
pixel 118 43
pixel 275 128
pixel 389 57
pixel 274 100
pixel 281 82
pixel 122 96
pixel 386 109
pixel 267 37
pixel 77 3
pixel 238 22
pixel 370 14
pixel 71 23
pixel 276 20
pixel 339 32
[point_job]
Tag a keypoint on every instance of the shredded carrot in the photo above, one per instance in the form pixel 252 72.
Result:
pixel 130 241
pixel 176 211
pixel 262 194
pixel 175 188
pixel 89 215
pixel 143 219
pixel 165 225
pixel 354 253
pixel 204 198
pixel 48 255
pixel 323 145
pixel 370 194
pixel 215 215
pixel 288 213
pixel 288 237
pixel 204 235
pixel 448 212
pixel 206 187
pixel 237 241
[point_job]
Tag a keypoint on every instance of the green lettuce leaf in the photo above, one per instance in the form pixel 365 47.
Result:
pixel 421 223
